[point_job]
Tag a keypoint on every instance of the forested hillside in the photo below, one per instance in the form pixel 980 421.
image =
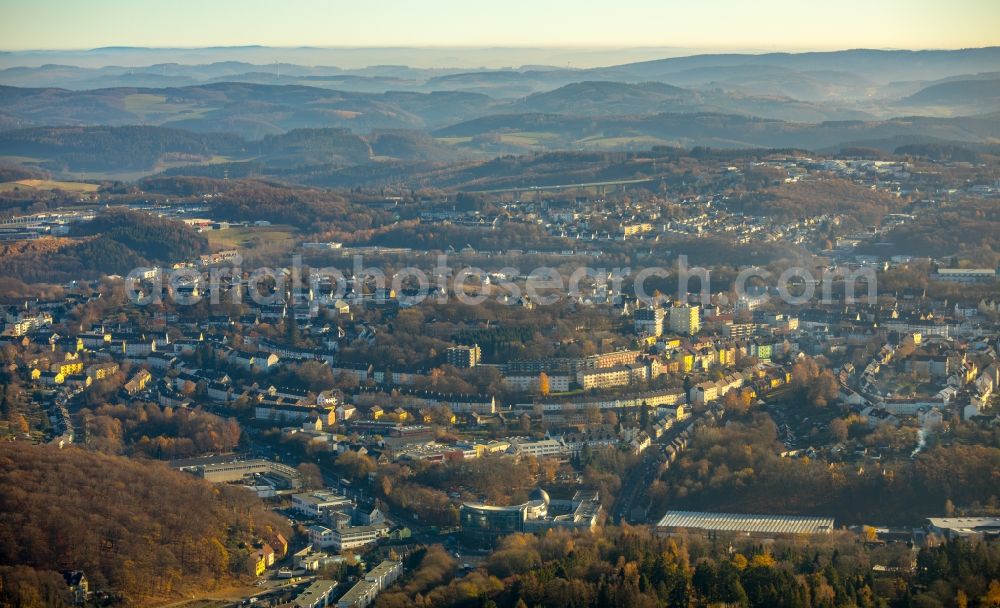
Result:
pixel 633 567
pixel 135 527
pixel 163 433
pixel 833 196
pixel 154 238
pixel 113 148
pixel 58 260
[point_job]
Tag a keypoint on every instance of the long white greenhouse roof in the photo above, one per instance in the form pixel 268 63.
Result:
pixel 747 523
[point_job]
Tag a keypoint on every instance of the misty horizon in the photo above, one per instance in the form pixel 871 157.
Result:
pixel 429 57
pixel 767 25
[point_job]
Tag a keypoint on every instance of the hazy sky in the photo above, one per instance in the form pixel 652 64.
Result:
pixel 703 24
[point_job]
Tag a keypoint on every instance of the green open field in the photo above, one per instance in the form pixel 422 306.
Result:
pixel 216 159
pixel 143 102
pixel 537 138
pixel 251 236
pixel 619 142
pixel 526 138
pixel 148 106
pixel 47 184
pixel 452 141
pixel 129 176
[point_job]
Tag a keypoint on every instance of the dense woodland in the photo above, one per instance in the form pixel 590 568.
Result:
pixel 134 526
pixel 738 468
pixel 12 173
pixel 939 152
pixel 163 433
pixel 112 148
pixel 307 209
pixel 146 148
pixel 811 198
pixel 969 229
pixel 154 238
pixel 631 567
pixel 61 260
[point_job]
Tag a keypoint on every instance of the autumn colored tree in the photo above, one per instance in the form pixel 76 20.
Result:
pixel 312 476
pixel 355 466
pixel 543 384
pixel 733 402
pixel 838 429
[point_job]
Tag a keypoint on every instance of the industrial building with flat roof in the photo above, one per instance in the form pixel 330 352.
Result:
pixel 965 527
pixel 764 526
pixel 319 503
pixel 230 468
